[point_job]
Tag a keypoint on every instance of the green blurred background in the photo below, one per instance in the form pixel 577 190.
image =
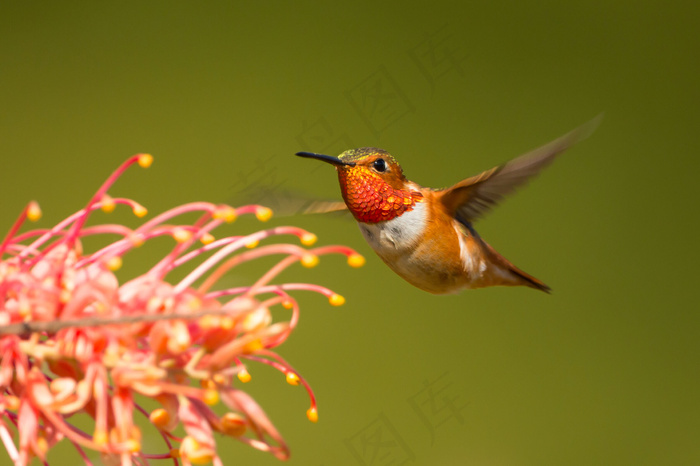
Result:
pixel 603 371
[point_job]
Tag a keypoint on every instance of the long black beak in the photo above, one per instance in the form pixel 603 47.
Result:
pixel 325 158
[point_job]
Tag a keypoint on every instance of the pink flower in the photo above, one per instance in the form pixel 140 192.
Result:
pixel 75 340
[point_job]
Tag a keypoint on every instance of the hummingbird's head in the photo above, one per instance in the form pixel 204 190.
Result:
pixel 372 183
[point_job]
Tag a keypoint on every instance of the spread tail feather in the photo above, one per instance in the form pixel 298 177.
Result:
pixel 529 280
pixel 519 277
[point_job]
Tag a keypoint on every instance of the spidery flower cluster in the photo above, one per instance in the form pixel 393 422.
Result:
pixel 75 340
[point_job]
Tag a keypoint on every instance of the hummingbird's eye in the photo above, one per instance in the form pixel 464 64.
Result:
pixel 379 165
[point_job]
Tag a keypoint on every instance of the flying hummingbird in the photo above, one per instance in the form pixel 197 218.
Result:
pixel 426 235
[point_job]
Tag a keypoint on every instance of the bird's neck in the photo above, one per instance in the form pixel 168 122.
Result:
pixel 371 200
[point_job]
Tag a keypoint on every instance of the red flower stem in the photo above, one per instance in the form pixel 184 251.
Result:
pixel 15 228
pixel 73 234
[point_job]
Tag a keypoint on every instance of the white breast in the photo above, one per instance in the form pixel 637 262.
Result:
pixel 398 233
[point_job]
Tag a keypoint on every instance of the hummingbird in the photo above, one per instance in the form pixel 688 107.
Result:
pixel 426 235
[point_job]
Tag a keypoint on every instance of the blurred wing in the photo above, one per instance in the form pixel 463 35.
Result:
pixel 287 202
pixel 470 199
pixel 323 207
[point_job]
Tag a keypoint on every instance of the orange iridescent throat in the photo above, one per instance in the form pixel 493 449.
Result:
pixel 371 199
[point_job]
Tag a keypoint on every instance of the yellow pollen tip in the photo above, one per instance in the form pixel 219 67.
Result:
pixel 244 376
pixel 145 160
pixel 136 240
pixel 42 444
pixel 12 402
pixel 225 213
pixel 133 446
pixel 65 296
pixel 287 304
pixel 100 437
pixel 356 260
pixel 193 451
pixel 209 322
pixel 336 300
pixel 308 239
pixel 114 263
pixel 292 378
pixel 207 383
pixel 263 214
pixel 233 424
pixel 252 244
pixel 33 211
pixel 110 358
pixel 25 309
pixel 194 303
pixel 210 397
pixel 108 204
pixel 140 211
pixel 181 235
pixel 312 414
pixel 309 260
pixel 253 346
pixel 207 238
pixel 159 417
pixel 227 323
